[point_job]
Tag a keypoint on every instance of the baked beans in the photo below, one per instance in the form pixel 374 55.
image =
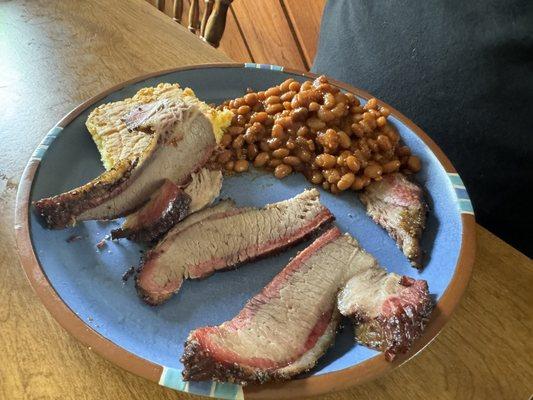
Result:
pixel 282 170
pixel 241 166
pixel 314 128
pixel 346 181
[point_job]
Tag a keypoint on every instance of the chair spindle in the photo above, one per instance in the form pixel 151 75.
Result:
pixel 205 17
pixel 194 16
pixel 216 23
pixel 177 9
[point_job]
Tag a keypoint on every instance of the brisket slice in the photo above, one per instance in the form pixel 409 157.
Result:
pixel 277 333
pixel 280 332
pixel 389 311
pixel 397 204
pixel 166 207
pixel 169 205
pixel 225 240
pixel 182 141
pixel 221 208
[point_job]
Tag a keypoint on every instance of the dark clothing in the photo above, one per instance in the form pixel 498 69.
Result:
pixel 463 72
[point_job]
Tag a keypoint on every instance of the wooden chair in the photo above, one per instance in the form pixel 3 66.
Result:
pixel 211 27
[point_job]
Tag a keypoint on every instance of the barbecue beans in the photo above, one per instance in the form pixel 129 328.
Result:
pixel 280 153
pixel 250 99
pixel 316 177
pixel 274 108
pixel 391 166
pixel 273 91
pixel 332 175
pixel 274 163
pixel 259 117
pixel 241 166
pixel 294 86
pixel 252 151
pixel 373 171
pixel 314 128
pixel 274 143
pixel 285 85
pixel 225 141
pixel 292 161
pixel 282 170
pixel 325 161
pixel 313 106
pixel 238 142
pixel 273 100
pixel 346 181
pixel 261 159
pixel 413 164
pixel 230 165
pixel 243 110
pixel 224 157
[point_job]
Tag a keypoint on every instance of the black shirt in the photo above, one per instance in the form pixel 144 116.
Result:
pixel 463 72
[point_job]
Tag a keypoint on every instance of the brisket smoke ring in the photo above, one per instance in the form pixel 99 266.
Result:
pixel 223 240
pixel 283 330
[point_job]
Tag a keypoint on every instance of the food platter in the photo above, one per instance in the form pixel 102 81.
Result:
pixel 82 285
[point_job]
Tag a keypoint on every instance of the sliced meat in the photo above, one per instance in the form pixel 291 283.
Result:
pixel 284 329
pixel 169 205
pixel 203 189
pixel 225 240
pixel 166 207
pixel 221 208
pixel 182 141
pixel 190 219
pixel 397 204
pixel 281 332
pixel 389 311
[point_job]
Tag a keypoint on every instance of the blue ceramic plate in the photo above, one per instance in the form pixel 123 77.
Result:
pixel 83 287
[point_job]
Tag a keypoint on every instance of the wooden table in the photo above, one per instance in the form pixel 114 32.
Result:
pixel 56 54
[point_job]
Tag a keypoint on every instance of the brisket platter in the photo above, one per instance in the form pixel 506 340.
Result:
pixel 181 142
pixel 169 205
pixel 397 204
pixel 284 329
pixel 155 148
pixel 225 239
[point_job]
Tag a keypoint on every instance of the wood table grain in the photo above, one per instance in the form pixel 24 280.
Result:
pixel 53 55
